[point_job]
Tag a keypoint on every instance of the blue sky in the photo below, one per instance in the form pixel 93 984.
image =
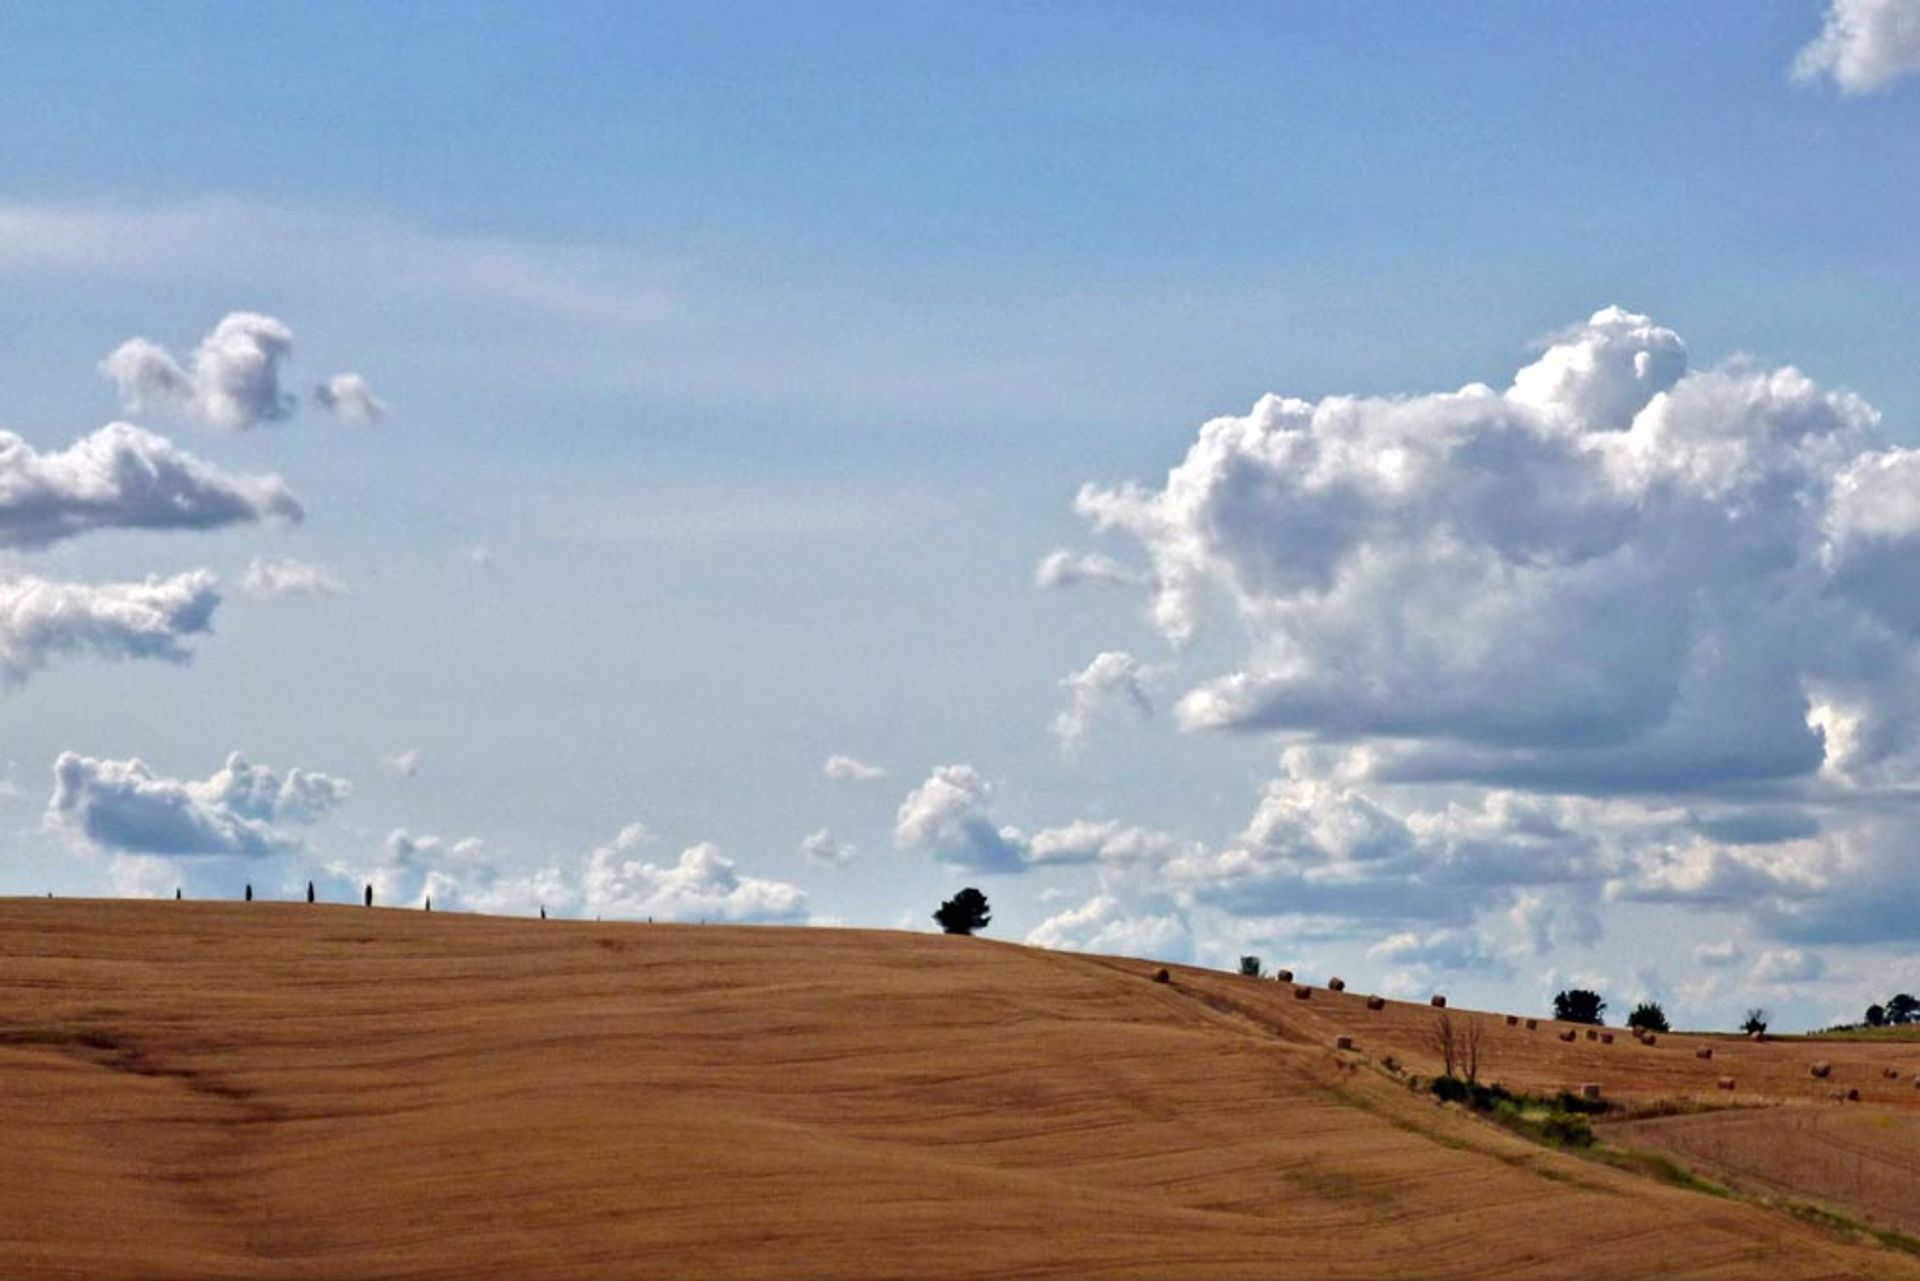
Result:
pixel 741 363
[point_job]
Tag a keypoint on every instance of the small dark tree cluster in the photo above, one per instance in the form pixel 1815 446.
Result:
pixel 1899 1011
pixel 1648 1017
pixel 964 913
pixel 1756 1021
pixel 1578 1005
pixel 1250 966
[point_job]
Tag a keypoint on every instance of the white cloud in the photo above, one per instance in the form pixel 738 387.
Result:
pixel 232 381
pixel 348 397
pixel 1103 924
pixel 403 764
pixel 1103 841
pixel 1444 949
pixel 124 477
pixel 242 810
pixel 1113 682
pixel 950 816
pixel 40 619
pixel 1863 44
pixel 272 577
pixel 1062 568
pixel 1611 576
pixel 1788 965
pixel 820 847
pixel 702 885
pixel 1716 956
pixel 847 769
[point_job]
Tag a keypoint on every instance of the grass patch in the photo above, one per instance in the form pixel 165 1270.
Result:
pixel 1903 1032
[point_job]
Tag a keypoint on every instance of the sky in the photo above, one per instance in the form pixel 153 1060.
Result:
pixel 1425 494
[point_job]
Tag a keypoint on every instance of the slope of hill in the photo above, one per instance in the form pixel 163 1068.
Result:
pixel 283 1091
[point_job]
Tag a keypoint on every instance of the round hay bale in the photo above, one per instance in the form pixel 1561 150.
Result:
pixel 1343 1043
pixel 1606 1038
pixel 1283 976
pixel 1821 1069
pixel 1649 1039
pixel 1533 1024
pixel 1161 976
pixel 1336 985
pixel 1513 1020
pixel 1590 1091
pixel 1568 1035
pixel 1853 1094
pixel 1301 992
pixel 1592 1035
pixel 1438 1002
pixel 1376 1002
pixel 1726 1083
pixel 1892 1074
pixel 1705 1052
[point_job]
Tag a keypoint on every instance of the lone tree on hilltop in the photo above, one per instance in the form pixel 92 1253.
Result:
pixel 1250 966
pixel 309 891
pixel 1756 1021
pixel 1577 1005
pixel 1876 1016
pixel 1903 1009
pixel 1649 1017
pixel 964 913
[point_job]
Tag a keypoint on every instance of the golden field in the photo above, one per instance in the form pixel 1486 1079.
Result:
pixel 200 1090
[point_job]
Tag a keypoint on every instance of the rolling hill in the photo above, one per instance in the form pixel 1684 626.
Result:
pixel 197 1090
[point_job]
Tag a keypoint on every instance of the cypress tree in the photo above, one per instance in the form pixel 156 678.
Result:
pixel 369 895
pixel 249 891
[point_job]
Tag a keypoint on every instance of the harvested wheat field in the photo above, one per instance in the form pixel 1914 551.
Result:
pixel 284 1091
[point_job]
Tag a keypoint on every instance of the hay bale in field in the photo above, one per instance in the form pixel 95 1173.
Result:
pixel 1513 1020
pixel 1301 992
pixel 1343 1043
pixel 1892 1074
pixel 1648 1038
pixel 1705 1052
pixel 1161 976
pixel 1336 985
pixel 1726 1083
pixel 1853 1094
pixel 1821 1069
pixel 1283 976
pixel 1376 1002
pixel 1606 1038
pixel 1438 1001
pixel 1590 1091
pixel 1532 1024
pixel 1568 1035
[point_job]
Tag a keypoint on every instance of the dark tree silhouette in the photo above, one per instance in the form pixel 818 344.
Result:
pixel 1649 1016
pixel 543 911
pixel 176 894
pixel 1577 1005
pixel 249 892
pixel 964 913
pixel 369 896
pixel 1903 1009
pixel 1250 966
pixel 309 891
pixel 429 902
pixel 1876 1016
pixel 1756 1021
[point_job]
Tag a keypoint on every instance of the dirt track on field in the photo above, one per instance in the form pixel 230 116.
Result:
pixel 331 1093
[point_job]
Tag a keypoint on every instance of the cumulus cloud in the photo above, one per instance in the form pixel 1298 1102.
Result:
pixel 40 620
pixel 242 810
pixel 231 382
pixel 847 769
pixel 348 397
pixel 124 477
pixel 273 577
pixel 1863 44
pixel 1113 682
pixel 703 884
pixel 1715 956
pixel 1062 568
pixel 950 816
pixel 1104 924
pixel 821 847
pixel 1444 949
